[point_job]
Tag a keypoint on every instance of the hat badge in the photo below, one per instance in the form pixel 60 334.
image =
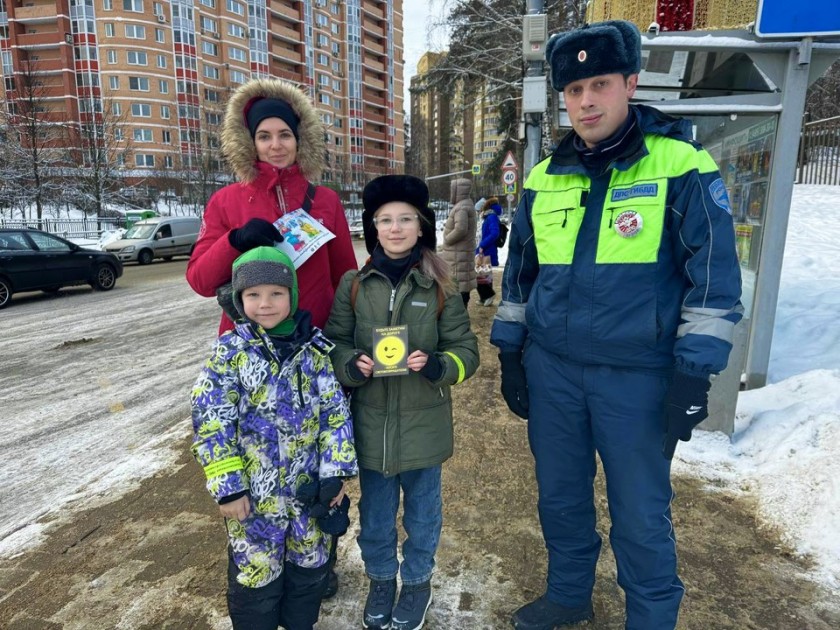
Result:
pixel 582 56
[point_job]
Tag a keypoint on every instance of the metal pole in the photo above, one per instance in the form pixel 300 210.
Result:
pixel 533 122
pixel 778 212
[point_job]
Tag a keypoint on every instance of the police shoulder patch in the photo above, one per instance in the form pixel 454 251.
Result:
pixel 717 190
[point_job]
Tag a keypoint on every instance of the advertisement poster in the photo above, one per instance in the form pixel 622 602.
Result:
pixel 303 235
pixel 390 354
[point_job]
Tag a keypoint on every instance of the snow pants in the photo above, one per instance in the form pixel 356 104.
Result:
pixel 576 410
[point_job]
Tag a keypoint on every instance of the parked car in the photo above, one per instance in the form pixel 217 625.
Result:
pixel 32 260
pixel 158 237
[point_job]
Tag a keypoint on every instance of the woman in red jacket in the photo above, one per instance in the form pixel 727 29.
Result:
pixel 273 140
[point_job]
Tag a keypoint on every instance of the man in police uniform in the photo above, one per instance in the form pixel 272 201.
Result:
pixel 620 295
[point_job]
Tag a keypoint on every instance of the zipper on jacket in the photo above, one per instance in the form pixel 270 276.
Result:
pixel 391 301
pixel 300 383
pixel 281 201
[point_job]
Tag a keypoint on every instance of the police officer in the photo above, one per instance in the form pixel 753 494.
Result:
pixel 620 295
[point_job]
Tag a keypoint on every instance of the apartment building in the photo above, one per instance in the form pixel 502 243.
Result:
pixel 164 68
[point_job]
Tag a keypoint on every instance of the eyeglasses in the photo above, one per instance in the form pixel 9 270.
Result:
pixel 402 222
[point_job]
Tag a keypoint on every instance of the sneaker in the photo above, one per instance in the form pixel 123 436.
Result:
pixel 543 614
pixel 380 602
pixel 332 585
pixel 414 602
pixel 487 302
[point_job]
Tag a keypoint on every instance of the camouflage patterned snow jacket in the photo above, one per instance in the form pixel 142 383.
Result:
pixel 266 427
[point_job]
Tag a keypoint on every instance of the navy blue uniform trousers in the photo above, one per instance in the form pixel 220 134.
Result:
pixel 575 410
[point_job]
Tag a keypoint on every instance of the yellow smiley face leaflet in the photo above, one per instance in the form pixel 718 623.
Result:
pixel 390 350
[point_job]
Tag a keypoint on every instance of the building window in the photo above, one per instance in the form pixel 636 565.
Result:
pixel 238 77
pixel 164 112
pixel 118 134
pixel 112 56
pixel 321 19
pixel 237 54
pixel 108 5
pixel 161 61
pixel 143 135
pixel 235 7
pixel 138 84
pixel 324 99
pixel 159 36
pixel 135 31
pixel 167 136
pixel 213 118
pixel 163 86
pixel 167 161
pixel 114 83
pixel 133 5
pixel 208 25
pixel 235 30
pixel 210 72
pixel 116 108
pixel 323 40
pixel 143 110
pixel 136 58
pixel 209 48
pixel 157 8
pixel 209 3
pixel 211 95
pixel 109 29
pixel 144 160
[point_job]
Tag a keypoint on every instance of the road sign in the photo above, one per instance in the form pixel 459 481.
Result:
pixel 510 161
pixel 803 18
pixel 476 169
pixel 511 198
pixel 510 188
pixel 508 177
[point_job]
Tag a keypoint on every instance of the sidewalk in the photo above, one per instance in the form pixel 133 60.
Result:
pixel 155 558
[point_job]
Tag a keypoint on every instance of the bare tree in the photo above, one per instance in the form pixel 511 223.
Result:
pixel 824 95
pixel 35 135
pixel 97 147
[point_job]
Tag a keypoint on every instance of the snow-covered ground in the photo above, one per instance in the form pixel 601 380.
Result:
pixel 785 451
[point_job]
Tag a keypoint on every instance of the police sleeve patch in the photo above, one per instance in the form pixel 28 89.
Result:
pixel 717 190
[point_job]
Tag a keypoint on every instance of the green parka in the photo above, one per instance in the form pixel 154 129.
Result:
pixel 401 422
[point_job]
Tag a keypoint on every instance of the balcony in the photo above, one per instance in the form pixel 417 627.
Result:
pixel 278 30
pixel 370 62
pixel 35 15
pixel 48 39
pixel 375 10
pixel 372 45
pixel 374 83
pixel 377 118
pixel 289 12
pixel 292 56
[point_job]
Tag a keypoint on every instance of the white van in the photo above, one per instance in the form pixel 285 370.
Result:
pixel 159 237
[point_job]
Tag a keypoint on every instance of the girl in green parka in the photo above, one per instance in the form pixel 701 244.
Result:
pixel 402 424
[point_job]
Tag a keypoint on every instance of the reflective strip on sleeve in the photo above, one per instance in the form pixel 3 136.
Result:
pixel 511 312
pixel 462 372
pixel 223 466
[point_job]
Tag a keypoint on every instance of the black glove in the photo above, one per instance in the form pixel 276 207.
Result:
pixel 514 385
pixel 433 369
pixel 255 233
pixel 686 406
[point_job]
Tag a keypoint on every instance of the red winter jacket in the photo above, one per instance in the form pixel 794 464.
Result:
pixel 272 194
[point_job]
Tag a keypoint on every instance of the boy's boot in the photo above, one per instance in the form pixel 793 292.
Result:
pixel 410 613
pixel 379 604
pixel 543 614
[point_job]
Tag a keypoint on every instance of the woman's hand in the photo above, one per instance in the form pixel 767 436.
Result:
pixel 365 365
pixel 417 360
pixel 239 509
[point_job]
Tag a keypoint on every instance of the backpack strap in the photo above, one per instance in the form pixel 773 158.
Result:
pixel 308 198
pixel 354 291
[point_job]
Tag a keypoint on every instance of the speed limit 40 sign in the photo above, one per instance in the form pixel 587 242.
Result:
pixel 509 177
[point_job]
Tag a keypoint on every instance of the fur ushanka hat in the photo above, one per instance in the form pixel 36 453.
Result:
pixel 406 188
pixel 592 50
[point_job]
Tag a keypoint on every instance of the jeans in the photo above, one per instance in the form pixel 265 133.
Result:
pixel 422 521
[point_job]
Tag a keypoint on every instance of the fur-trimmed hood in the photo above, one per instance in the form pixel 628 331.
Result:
pixel 238 146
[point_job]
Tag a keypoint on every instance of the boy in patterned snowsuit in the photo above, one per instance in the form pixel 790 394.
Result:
pixel 272 427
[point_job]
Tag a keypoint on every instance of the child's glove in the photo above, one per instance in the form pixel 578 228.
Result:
pixel 317 496
pixel 224 296
pixel 433 369
pixel 255 233
pixel 686 406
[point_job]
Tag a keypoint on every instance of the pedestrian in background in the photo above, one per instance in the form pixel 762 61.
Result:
pixel 619 299
pixel 272 433
pixel 459 237
pixel 487 252
pixel 403 424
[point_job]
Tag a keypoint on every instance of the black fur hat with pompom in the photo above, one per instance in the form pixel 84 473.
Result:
pixel 406 188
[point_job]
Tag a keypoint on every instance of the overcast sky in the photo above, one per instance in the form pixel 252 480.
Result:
pixel 416 14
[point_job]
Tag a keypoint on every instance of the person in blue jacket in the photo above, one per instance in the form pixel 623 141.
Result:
pixel 490 213
pixel 619 299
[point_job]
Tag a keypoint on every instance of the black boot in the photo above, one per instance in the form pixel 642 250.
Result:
pixel 543 614
pixel 332 576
